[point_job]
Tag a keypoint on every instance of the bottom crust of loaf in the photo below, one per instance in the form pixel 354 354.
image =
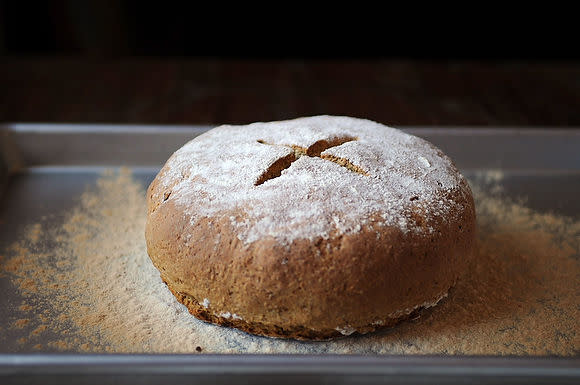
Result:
pixel 298 333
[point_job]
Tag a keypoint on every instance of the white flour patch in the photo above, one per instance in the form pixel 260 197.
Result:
pixel 313 197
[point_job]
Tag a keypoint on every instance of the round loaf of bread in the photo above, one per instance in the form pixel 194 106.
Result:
pixel 309 228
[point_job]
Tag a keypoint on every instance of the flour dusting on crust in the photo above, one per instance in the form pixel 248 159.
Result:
pixel 314 196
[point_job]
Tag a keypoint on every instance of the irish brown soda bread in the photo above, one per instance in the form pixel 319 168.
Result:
pixel 309 228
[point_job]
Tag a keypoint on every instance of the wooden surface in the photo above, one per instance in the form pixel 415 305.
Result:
pixel 213 91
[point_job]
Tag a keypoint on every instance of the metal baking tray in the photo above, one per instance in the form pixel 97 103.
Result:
pixel 43 167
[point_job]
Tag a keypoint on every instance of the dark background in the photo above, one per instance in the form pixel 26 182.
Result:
pixel 138 28
pixel 179 63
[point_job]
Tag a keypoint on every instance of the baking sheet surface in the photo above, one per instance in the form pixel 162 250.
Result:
pixel 48 191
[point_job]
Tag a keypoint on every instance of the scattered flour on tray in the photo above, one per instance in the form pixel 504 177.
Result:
pixel 89 286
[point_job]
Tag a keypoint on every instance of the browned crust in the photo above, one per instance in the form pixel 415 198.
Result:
pixel 309 288
pixel 296 332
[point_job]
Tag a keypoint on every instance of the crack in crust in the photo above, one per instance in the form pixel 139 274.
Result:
pixel 314 150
